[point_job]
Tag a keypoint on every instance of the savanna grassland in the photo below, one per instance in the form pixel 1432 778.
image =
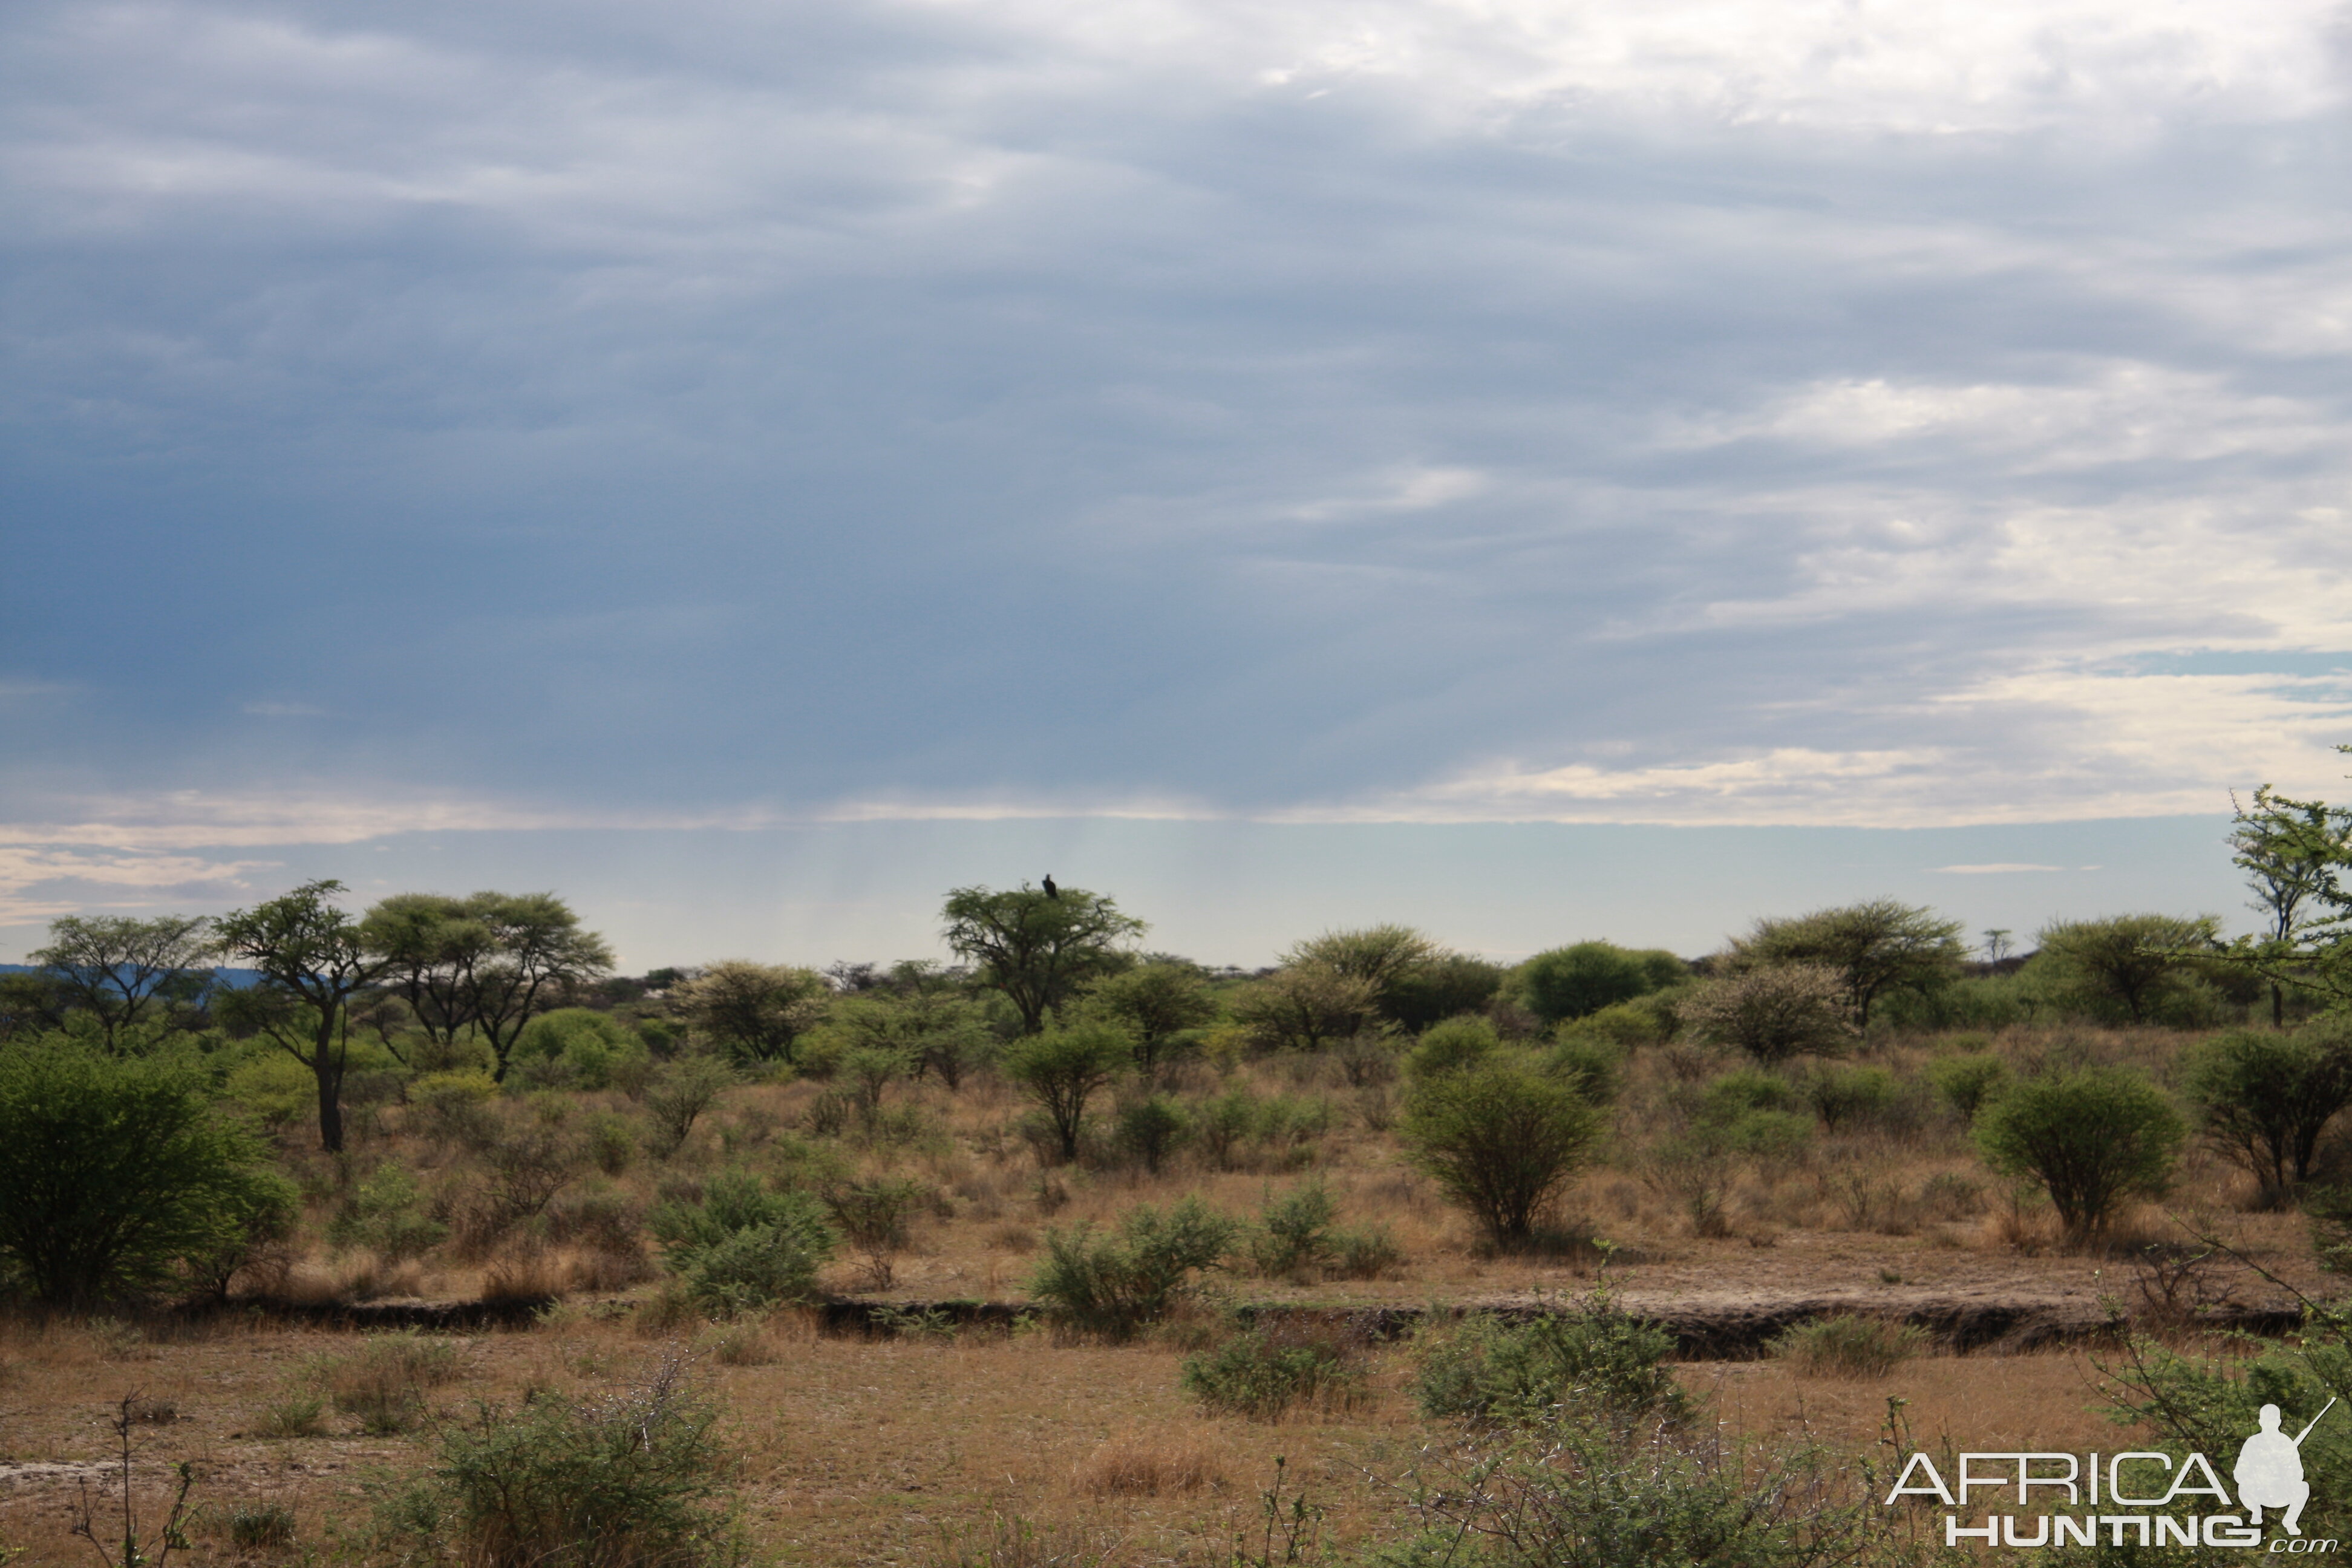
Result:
pixel 1381 1250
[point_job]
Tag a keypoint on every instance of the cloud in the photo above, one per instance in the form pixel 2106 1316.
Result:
pixel 1996 869
pixel 1166 410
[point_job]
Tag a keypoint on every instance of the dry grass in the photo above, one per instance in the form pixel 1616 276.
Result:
pixel 1137 1467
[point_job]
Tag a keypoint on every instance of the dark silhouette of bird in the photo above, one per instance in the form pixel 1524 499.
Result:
pixel 1052 891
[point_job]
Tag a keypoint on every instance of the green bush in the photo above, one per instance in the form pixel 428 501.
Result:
pixel 117 1175
pixel 1848 1345
pixel 1597 1495
pixel 384 1212
pixel 2265 1097
pixel 1968 1081
pixel 1737 1093
pixel 593 1047
pixel 1576 981
pixel 1451 1045
pixel 2092 1138
pixel 1150 1129
pixel 633 1481
pixel 1847 1096
pixel 1591 1065
pixel 1063 1068
pixel 2127 969
pixel 1294 1231
pixel 1649 1020
pixel 1114 1286
pixel 1500 1138
pixel 1262 1374
pixel 1774 1012
pixel 744 1247
pixel 1595 1364
pixel 1240 1127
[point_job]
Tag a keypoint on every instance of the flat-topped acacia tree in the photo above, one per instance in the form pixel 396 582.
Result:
pixel 1035 947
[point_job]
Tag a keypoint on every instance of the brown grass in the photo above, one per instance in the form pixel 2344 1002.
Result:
pixel 1135 1466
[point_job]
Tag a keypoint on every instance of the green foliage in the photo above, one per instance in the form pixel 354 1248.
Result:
pixel 1577 980
pixel 1037 950
pixel 1593 1364
pixel 593 1047
pixel 1590 1065
pixel 2139 968
pixel 274 1086
pixel 754 1013
pixel 1500 1137
pixel 1968 1080
pixel 1773 1013
pixel 1242 1127
pixel 1747 1112
pixel 677 1096
pixel 1160 1004
pixel 115 1174
pixel 1150 1129
pixel 1735 1093
pixel 1595 1495
pixel 122 971
pixel 631 1480
pixel 384 1212
pixel 1848 1096
pixel 1294 1231
pixel 1874 949
pixel 744 1247
pixel 1848 1345
pixel 1115 1285
pixel 1649 1020
pixel 1063 1068
pixel 2092 1138
pixel 1451 1045
pixel 1262 1374
pixel 2265 1097
pixel 258 1526
pixel 312 958
pixel 1446 986
pixel 1306 1006
pixel 2210 1404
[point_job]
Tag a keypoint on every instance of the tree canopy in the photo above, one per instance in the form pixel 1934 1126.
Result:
pixel 1037 950
pixel 1874 947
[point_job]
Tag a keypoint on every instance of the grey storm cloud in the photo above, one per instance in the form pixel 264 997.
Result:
pixel 1656 412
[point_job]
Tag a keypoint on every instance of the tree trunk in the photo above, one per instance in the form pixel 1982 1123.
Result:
pixel 327 1065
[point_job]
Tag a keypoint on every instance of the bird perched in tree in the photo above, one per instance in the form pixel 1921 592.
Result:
pixel 1052 891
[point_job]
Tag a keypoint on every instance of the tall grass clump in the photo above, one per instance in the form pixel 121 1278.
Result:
pixel 1848 1345
pixel 635 1479
pixel 383 1382
pixel 1113 1286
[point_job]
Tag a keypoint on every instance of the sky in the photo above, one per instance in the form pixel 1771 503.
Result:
pixel 1534 471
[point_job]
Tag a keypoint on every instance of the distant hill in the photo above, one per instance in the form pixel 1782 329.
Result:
pixel 238 978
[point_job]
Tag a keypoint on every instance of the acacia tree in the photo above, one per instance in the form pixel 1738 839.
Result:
pixel 1305 1006
pixel 488 963
pixel 757 1011
pixel 1876 947
pixel 1157 1001
pixel 2292 852
pixel 2138 961
pixel 312 961
pixel 1037 948
pixel 116 967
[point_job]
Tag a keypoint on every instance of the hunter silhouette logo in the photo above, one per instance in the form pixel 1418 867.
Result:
pixel 2141 1498
pixel 2270 1470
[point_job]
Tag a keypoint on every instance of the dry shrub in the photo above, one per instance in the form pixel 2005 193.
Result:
pixel 525 1274
pixel 365 1277
pixel 383 1382
pixel 1017 1542
pixel 1147 1466
pixel 745 1342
